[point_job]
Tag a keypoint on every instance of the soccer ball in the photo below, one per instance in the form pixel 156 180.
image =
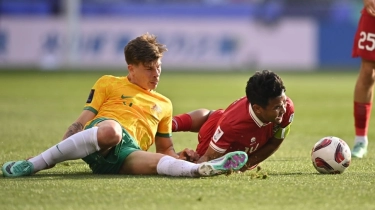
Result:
pixel 331 155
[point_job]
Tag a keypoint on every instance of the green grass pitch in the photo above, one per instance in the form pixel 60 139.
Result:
pixel 37 107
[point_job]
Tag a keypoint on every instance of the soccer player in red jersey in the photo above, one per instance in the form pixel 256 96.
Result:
pixel 364 47
pixel 256 123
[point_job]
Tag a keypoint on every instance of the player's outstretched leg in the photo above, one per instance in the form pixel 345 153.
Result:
pixel 17 168
pixel 232 161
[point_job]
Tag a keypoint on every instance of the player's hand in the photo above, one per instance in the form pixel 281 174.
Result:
pixel 188 155
pixel 248 167
pixel 369 6
pixel 244 168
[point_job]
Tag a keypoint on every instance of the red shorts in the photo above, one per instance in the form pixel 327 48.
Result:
pixel 364 40
pixel 207 131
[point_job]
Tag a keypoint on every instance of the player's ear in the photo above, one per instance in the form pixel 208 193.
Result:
pixel 257 109
pixel 130 68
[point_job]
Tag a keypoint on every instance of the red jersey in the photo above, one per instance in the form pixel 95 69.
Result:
pixel 237 128
pixel 364 40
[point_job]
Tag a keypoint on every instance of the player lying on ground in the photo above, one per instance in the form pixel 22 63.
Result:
pixel 256 123
pixel 122 118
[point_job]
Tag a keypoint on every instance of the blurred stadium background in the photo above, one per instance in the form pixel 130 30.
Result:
pixel 222 35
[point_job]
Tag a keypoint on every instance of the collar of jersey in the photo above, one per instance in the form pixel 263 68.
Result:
pixel 255 118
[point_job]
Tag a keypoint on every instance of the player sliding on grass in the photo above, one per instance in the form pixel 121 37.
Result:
pixel 364 47
pixel 256 123
pixel 122 118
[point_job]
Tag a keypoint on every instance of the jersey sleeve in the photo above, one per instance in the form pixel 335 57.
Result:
pixel 165 124
pixel 223 137
pixel 97 94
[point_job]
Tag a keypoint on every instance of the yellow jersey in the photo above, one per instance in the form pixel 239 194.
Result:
pixel 144 114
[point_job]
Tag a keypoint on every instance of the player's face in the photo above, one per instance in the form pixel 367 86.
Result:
pixel 275 110
pixel 145 76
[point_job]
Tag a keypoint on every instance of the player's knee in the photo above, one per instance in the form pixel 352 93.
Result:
pixel 109 136
pixel 367 69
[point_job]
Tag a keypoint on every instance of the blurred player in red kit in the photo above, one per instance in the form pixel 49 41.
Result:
pixel 364 47
pixel 256 123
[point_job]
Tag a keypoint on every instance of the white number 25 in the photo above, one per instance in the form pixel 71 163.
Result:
pixel 366 37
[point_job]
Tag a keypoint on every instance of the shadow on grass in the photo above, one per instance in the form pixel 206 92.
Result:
pixel 294 174
pixel 86 176
pixel 68 170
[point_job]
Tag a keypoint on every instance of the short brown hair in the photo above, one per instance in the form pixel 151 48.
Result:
pixel 144 49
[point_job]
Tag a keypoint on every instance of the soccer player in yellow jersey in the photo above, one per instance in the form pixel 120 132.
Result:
pixel 122 118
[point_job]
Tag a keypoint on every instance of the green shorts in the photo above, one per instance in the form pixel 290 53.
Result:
pixel 112 162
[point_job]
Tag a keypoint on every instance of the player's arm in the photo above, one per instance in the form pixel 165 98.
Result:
pixel 96 98
pixel 77 126
pixel 369 6
pixel 219 142
pixel 164 145
pixel 268 149
pixel 209 155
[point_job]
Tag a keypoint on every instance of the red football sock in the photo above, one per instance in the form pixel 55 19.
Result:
pixel 362 112
pixel 181 122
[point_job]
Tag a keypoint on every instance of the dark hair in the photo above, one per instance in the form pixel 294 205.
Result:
pixel 263 86
pixel 144 49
